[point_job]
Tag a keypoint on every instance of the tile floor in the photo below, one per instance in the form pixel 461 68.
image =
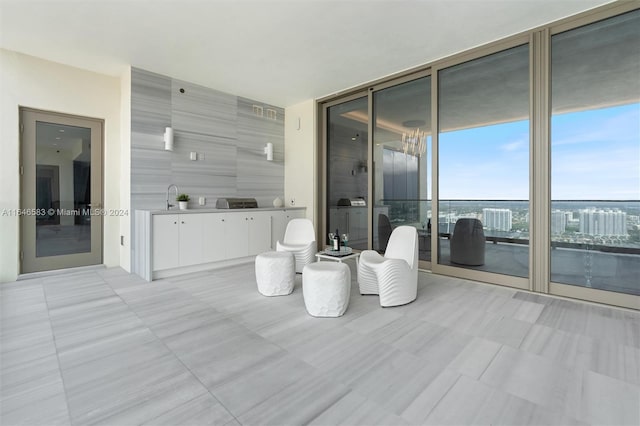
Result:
pixel 105 347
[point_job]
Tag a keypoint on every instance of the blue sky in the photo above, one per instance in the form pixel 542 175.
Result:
pixel 595 155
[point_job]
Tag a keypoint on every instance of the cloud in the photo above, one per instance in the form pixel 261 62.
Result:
pixel 596 126
pixel 597 174
pixel 513 146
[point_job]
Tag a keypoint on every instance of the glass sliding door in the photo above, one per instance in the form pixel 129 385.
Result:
pixel 402 156
pixel 518 162
pixel 595 155
pixel 483 164
pixel 347 171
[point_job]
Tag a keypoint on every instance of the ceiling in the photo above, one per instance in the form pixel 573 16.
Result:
pixel 278 52
pixel 70 141
pixel 592 67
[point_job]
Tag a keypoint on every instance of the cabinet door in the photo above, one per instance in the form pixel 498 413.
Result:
pixel 358 224
pixel 166 247
pixel 279 222
pixel 191 239
pixel 259 232
pixel 236 235
pixel 295 214
pixel 213 236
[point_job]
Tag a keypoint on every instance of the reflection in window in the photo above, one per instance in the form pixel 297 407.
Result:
pixel 401 182
pixel 347 181
pixel 483 163
pixel 63 189
pixel 595 155
pixel 401 156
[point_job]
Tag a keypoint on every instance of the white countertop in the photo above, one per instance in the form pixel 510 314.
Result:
pixel 214 210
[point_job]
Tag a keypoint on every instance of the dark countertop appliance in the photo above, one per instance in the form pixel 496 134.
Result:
pixel 352 202
pixel 236 203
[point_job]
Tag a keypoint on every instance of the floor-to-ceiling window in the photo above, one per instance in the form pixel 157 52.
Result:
pixel 595 155
pixel 402 156
pixel 483 163
pixel 518 162
pixel 347 171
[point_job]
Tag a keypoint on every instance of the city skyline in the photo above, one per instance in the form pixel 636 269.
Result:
pixel 566 223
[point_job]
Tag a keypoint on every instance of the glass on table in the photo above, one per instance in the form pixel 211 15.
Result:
pixel 331 237
pixel 345 239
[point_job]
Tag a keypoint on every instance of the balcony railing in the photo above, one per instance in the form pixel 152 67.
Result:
pixel 417 212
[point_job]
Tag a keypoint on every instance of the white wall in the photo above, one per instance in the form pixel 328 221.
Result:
pixel 125 168
pixel 31 82
pixel 300 162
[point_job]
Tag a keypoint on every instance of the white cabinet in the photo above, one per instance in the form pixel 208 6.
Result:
pixel 191 239
pixel 235 236
pixel 166 235
pixel 246 234
pixel 177 241
pixel 214 246
pixel 259 232
pixel 169 244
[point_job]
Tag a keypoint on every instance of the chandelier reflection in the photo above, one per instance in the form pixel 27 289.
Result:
pixel 414 142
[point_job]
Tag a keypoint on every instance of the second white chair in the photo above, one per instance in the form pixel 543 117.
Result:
pixel 393 276
pixel 299 239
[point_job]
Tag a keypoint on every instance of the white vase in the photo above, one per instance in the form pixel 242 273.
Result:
pixel 183 205
pixel 278 202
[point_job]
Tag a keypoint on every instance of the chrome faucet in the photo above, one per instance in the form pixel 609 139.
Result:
pixel 169 205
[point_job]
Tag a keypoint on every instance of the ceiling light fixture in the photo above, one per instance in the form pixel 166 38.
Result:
pixel 414 142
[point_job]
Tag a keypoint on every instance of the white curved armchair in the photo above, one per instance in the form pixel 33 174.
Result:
pixel 299 239
pixel 393 276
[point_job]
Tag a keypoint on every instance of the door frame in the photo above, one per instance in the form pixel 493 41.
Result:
pixel 28 261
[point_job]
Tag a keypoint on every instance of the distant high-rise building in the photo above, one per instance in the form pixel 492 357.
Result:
pixel 558 222
pixel 497 219
pixel 603 222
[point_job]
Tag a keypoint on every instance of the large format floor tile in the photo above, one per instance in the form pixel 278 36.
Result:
pixel 106 347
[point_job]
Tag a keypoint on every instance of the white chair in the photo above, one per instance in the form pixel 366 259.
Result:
pixel 393 276
pixel 299 239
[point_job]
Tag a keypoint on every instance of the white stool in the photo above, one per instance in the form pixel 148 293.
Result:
pixel 275 273
pixel 326 287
